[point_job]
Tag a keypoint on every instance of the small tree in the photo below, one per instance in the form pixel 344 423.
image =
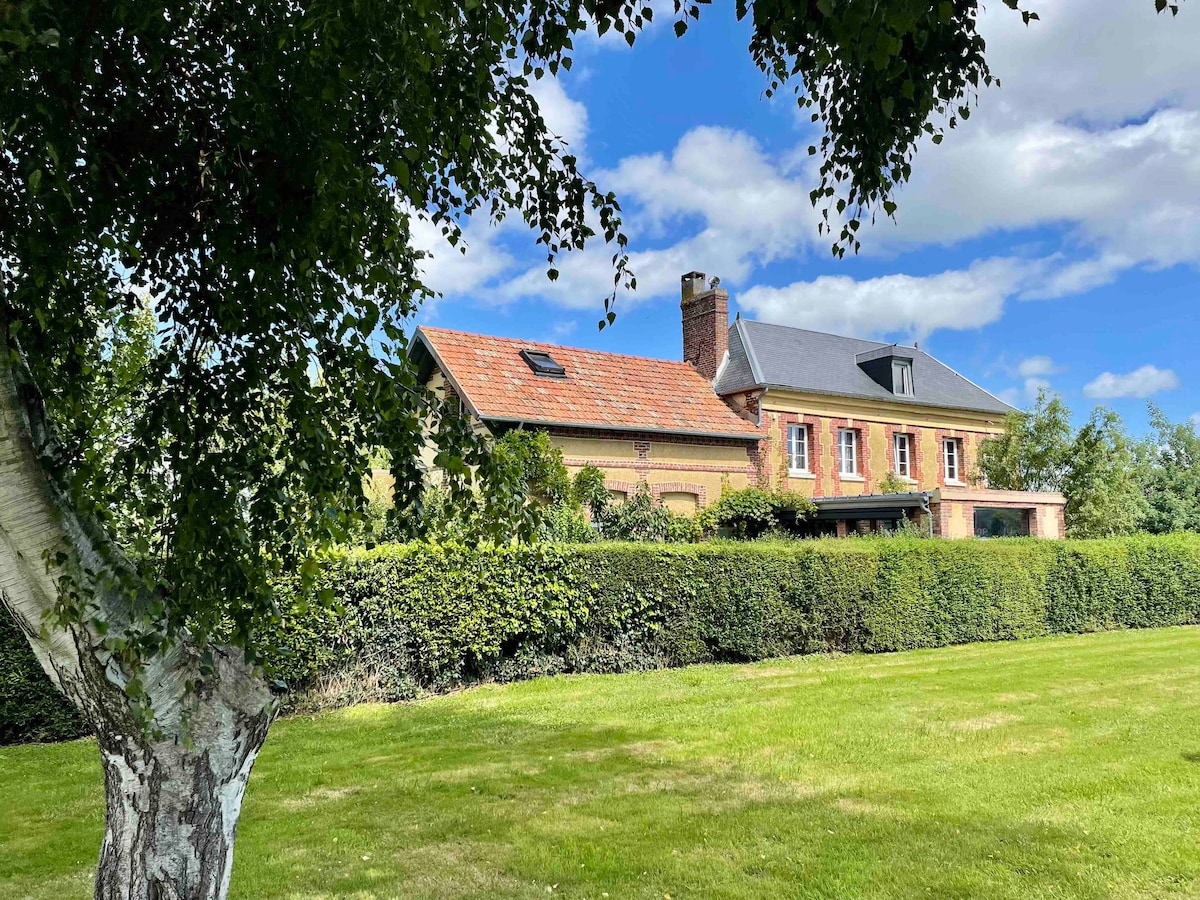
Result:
pixel 540 464
pixel 1033 453
pixel 589 489
pixel 1103 496
pixel 640 518
pixel 1093 468
pixel 751 512
pixel 1168 472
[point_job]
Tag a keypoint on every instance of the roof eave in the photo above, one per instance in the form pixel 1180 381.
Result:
pixel 599 426
pixel 428 344
pixel 907 500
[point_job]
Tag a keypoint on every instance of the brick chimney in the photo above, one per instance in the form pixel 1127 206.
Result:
pixel 705 313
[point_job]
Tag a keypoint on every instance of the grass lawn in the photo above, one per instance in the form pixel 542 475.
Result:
pixel 1067 767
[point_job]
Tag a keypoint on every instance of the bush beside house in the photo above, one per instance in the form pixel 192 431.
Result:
pixel 417 618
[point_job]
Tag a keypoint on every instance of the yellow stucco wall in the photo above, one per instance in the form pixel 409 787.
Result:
pixel 705 454
pixel 686 475
pixel 680 502
pixel 594 450
pixel 959 526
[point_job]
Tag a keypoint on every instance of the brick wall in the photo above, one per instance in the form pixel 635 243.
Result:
pixel 815 463
pixel 863 451
pixel 965 463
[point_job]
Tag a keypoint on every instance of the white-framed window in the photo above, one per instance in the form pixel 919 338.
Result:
pixel 847 451
pixel 900 455
pixel 902 380
pixel 797 447
pixel 950 458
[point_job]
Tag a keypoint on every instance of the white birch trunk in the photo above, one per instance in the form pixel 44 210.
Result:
pixel 172 806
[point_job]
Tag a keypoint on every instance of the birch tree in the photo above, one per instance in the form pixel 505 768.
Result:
pixel 252 170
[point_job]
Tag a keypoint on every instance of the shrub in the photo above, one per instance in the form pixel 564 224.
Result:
pixel 642 518
pixel 422 617
pixel 565 523
pixel 891 483
pixel 752 512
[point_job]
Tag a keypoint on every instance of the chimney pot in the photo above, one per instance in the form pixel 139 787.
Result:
pixel 691 284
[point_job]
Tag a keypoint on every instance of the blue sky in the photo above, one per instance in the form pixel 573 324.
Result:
pixel 1052 240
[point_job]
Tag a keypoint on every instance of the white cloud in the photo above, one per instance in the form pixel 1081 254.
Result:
pixel 566 118
pixel 1194 418
pixel 1102 138
pixel 1034 386
pixel 914 306
pixel 1139 383
pixel 450 270
pixel 1101 143
pixel 1098 61
pixel 1011 396
pixel 1129 195
pixel 725 177
pixel 735 205
pixel 1037 366
pixel 1034 371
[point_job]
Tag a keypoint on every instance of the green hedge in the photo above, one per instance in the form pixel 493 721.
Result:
pixel 31 708
pixel 432 618
pixel 418 618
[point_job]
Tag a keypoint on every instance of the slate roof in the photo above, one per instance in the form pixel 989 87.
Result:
pixel 609 391
pixel 765 355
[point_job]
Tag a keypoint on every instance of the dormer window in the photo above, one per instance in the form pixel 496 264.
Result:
pixel 890 367
pixel 542 363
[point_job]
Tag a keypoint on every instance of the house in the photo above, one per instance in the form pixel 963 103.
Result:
pixel 652 421
pixel 754 403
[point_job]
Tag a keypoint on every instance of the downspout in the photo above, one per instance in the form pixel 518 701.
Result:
pixel 758 424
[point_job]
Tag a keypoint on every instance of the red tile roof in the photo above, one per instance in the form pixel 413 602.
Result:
pixel 601 390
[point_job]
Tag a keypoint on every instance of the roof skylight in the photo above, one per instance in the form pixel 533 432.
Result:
pixel 542 363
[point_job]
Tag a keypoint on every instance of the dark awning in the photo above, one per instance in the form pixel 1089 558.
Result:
pixel 871 506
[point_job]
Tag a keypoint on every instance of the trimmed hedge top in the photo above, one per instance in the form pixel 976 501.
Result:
pixel 421 617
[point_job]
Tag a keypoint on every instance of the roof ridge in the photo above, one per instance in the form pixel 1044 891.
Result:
pixel 496 337
pixel 844 337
